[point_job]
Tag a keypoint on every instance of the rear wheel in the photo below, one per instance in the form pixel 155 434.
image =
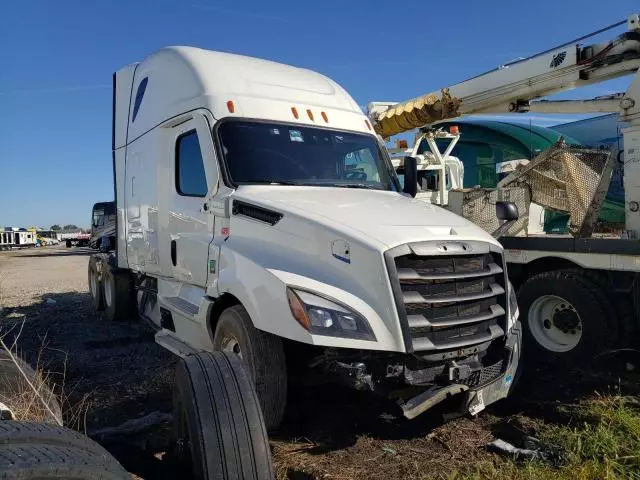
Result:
pixel 565 317
pixel 219 426
pixel 263 356
pixel 119 299
pixel 95 286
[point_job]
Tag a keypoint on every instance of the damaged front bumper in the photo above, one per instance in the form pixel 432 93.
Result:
pixel 476 398
pixel 418 383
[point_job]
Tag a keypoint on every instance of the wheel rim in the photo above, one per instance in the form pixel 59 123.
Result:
pixel 555 323
pixel 93 284
pixel 232 345
pixel 107 293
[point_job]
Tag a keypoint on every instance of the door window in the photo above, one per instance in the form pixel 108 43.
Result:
pixel 191 180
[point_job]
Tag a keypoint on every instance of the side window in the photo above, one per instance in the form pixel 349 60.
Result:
pixel 98 218
pixel 191 180
pixel 139 94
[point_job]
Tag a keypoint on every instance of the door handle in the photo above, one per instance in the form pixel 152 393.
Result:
pixel 173 252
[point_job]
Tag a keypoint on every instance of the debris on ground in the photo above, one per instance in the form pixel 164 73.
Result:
pixel 131 427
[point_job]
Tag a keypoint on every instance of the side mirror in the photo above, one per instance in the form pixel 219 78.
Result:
pixel 410 176
pixel 507 211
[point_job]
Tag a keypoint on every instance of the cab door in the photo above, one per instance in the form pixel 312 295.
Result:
pixel 193 176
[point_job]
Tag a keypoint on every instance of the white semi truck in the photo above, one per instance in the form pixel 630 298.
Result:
pixel 578 295
pixel 258 213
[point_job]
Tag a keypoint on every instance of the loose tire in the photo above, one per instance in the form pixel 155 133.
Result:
pixel 263 356
pixel 219 425
pixel 565 318
pixel 68 243
pixel 119 298
pixel 32 450
pixel 95 287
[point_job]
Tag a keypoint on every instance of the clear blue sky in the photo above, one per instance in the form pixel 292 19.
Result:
pixel 57 58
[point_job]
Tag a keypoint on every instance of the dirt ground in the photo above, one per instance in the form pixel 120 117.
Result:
pixel 111 373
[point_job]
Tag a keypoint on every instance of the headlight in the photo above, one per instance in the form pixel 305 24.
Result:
pixel 513 304
pixel 322 316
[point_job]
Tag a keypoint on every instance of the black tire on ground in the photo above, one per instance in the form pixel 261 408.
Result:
pixel 12 433
pixel 219 425
pixel 262 354
pixel 42 461
pixel 96 289
pixel 119 295
pixel 599 329
pixel 68 243
pixel 14 388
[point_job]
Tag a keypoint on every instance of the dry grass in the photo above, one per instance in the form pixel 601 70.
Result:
pixel 32 395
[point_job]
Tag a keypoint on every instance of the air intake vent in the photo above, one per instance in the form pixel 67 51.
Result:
pixel 257 213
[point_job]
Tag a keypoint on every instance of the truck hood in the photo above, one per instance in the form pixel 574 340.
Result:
pixel 387 218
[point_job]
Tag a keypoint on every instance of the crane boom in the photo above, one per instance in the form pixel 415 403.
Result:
pixel 511 87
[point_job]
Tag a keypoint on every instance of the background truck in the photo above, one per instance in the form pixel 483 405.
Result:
pixel 74 239
pixel 103 225
pixel 13 237
pixel 578 294
pixel 258 214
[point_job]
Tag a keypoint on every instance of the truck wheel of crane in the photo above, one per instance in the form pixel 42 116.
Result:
pixel 118 295
pixel 68 243
pixel 263 356
pixel 565 318
pixel 622 309
pixel 219 427
pixel 95 286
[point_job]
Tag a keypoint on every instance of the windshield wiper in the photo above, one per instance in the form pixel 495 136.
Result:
pixel 270 182
pixel 358 185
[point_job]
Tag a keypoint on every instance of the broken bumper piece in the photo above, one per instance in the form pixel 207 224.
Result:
pixel 477 398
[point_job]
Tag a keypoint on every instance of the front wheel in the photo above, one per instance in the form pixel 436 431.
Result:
pixel 263 356
pixel 565 317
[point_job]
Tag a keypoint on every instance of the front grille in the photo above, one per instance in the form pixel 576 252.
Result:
pixel 449 295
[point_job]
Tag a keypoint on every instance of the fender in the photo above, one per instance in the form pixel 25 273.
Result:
pixel 262 291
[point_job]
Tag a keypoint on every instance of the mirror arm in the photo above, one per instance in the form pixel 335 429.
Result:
pixel 502 229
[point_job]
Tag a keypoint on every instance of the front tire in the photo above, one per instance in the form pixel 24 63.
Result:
pixel 565 317
pixel 263 356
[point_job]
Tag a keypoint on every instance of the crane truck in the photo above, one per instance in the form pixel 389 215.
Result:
pixel 258 213
pixel 580 294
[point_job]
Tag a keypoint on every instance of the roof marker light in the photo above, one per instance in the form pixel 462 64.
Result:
pixel 230 106
pixel 294 111
pixel 324 117
pixel 454 130
pixel 310 113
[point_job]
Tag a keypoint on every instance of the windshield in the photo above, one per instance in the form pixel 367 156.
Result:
pixel 270 153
